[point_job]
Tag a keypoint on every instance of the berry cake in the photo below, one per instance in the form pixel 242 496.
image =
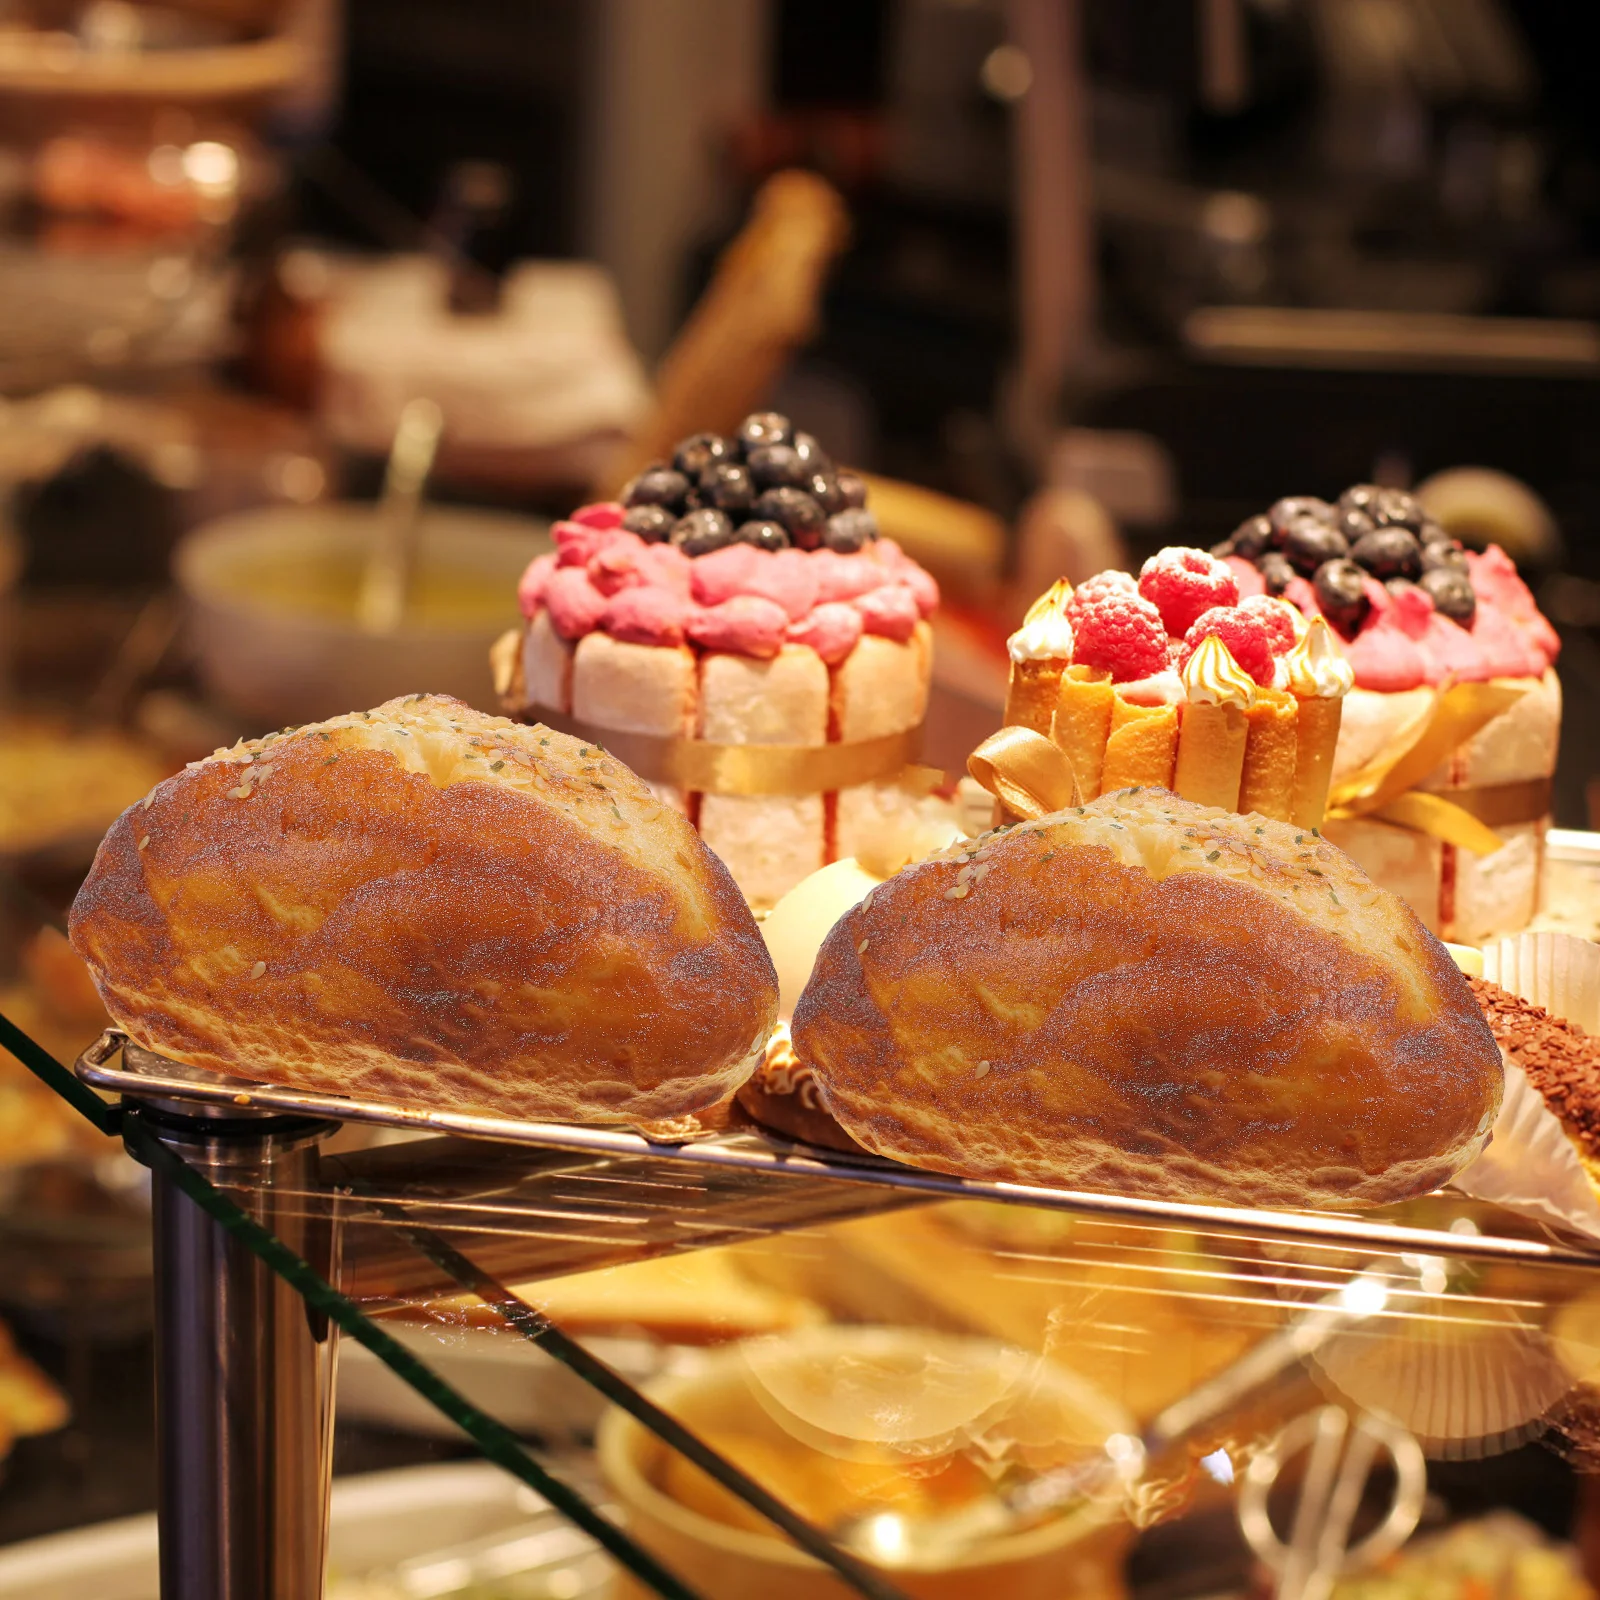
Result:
pixel 1415 612
pixel 741 595
pixel 1312 646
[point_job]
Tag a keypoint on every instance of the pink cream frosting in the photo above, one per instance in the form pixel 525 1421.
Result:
pixel 1405 642
pixel 740 599
pixel 1247 575
pixel 1496 583
pixel 831 629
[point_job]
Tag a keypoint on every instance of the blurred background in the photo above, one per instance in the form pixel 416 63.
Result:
pixel 1079 278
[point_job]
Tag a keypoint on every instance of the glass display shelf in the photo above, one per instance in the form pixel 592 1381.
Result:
pixel 934 1386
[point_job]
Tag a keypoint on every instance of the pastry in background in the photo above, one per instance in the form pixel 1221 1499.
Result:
pixel 424 904
pixel 781 1095
pixel 52 999
pixel 1147 996
pixel 30 1403
pixel 702 1297
pixel 61 787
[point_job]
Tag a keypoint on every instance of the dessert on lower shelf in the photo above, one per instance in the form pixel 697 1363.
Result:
pixel 1363 660
pixel 53 1001
pixel 1561 1061
pixel 782 1096
pixel 737 631
pixel 426 905
pixel 30 1404
pixel 1497 1554
pixel 1147 995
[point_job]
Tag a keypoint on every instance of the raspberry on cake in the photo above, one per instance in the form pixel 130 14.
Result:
pixel 1184 584
pixel 1246 635
pixel 1097 588
pixel 1284 624
pixel 742 595
pixel 1121 633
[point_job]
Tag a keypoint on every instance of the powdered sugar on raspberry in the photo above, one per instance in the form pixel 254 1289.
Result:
pixel 1279 617
pixel 1097 588
pixel 1245 635
pixel 1182 584
pixel 1121 633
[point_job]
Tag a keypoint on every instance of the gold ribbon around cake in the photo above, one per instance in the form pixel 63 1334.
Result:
pixel 1027 773
pixel 1385 791
pixel 704 767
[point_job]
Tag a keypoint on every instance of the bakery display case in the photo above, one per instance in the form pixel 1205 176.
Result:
pixel 877 1003
pixel 910 1187
pixel 967 1387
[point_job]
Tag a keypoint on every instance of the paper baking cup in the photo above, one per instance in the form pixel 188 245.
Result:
pixel 1558 971
pixel 1466 1377
pixel 1530 1165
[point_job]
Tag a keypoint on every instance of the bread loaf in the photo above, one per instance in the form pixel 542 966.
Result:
pixel 422 903
pixel 1151 996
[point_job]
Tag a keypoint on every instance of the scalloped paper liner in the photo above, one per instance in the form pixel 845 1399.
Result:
pixel 1530 1166
pixel 1558 971
pixel 1467 1378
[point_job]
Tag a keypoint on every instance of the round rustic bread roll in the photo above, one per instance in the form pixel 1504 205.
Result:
pixel 425 904
pixel 1151 996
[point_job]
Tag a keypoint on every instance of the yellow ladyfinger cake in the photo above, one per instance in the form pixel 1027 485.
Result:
pixel 1298 663
pixel 737 610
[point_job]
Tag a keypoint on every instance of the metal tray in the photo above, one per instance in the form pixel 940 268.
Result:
pixel 144 1076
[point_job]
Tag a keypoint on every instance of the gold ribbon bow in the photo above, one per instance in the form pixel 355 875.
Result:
pixel 1384 788
pixel 1028 774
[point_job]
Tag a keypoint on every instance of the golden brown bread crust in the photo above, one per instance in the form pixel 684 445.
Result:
pixel 1147 995
pixel 424 903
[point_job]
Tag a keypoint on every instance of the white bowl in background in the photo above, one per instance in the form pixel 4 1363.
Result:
pixel 275 645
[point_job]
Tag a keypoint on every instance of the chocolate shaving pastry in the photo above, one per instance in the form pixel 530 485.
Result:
pixel 782 1096
pixel 1562 1061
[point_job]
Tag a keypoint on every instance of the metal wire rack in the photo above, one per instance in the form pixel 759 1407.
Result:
pixel 616 1190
